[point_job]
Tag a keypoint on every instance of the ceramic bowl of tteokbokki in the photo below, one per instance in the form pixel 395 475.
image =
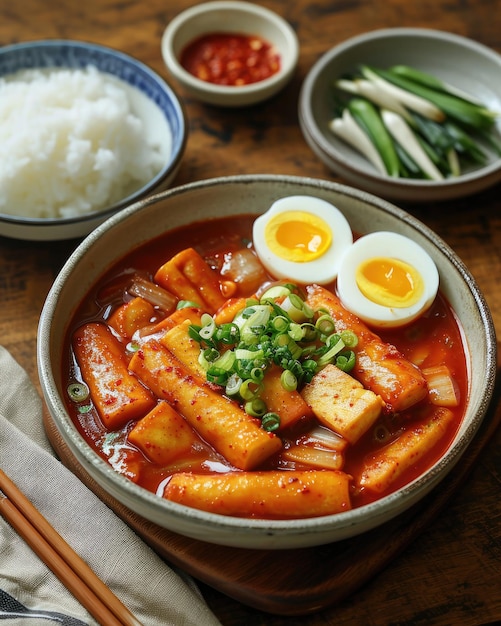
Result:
pixel 265 361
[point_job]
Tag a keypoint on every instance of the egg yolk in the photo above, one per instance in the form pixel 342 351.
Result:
pixel 389 282
pixel 298 236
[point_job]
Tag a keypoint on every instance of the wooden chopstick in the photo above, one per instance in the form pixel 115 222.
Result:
pixel 58 555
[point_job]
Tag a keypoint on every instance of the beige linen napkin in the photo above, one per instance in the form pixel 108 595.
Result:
pixel 155 593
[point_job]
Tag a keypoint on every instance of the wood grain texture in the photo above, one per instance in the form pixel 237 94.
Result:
pixel 450 571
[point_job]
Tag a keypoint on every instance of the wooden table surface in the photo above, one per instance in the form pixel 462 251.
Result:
pixel 451 574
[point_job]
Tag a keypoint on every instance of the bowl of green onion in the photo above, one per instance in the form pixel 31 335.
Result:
pixel 410 114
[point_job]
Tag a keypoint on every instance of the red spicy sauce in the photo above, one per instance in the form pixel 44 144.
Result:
pixel 230 59
pixel 435 337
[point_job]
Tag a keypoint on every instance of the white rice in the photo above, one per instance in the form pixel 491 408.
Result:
pixel 69 144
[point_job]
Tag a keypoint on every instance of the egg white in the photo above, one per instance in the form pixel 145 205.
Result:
pixel 388 245
pixel 321 270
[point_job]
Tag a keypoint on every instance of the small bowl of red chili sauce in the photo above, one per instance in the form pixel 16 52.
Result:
pixel 230 53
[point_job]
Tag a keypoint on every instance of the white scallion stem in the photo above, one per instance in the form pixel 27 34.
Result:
pixel 381 97
pixel 401 132
pixel 406 98
pixel 349 131
pixel 453 160
pixel 349 86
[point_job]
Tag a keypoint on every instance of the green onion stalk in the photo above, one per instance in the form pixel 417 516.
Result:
pixel 411 124
pixel 279 329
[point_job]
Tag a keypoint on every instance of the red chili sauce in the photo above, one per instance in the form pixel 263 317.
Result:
pixel 436 334
pixel 230 59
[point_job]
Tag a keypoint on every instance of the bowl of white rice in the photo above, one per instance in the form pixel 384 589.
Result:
pixel 85 130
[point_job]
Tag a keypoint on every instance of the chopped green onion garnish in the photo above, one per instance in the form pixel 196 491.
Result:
pixel 325 324
pixel 237 355
pixel 286 342
pixel 226 361
pixel 309 332
pixel 295 332
pixel 257 374
pixel 333 340
pixel 275 292
pixel 233 385
pixel 253 321
pixel 255 407
pixel 217 375
pixel 184 304
pixel 244 354
pixel 270 422
pixel 346 360
pixel 208 326
pixel 211 354
pixel 84 409
pixel 309 369
pixel 349 338
pixel 78 391
pixel 280 323
pixel 249 389
pixel 293 306
pixel 219 368
pixel 288 380
pixel 228 334
pixel 335 344
pixel 194 332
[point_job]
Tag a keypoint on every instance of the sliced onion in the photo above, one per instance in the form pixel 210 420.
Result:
pixel 314 457
pixel 442 388
pixel 156 295
pixel 244 268
pixel 324 438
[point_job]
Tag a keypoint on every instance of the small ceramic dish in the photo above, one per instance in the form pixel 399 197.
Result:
pixel 151 100
pixel 461 62
pixel 237 18
pixel 242 196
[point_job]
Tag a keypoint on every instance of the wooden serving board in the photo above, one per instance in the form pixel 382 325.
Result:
pixel 270 580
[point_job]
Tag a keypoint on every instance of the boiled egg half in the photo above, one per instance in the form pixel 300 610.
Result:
pixel 302 238
pixel 387 280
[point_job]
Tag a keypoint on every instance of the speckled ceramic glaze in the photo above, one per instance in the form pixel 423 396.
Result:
pixel 237 17
pixel 151 99
pixel 461 62
pixel 242 195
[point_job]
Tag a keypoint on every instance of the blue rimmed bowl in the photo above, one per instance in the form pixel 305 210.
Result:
pixel 151 99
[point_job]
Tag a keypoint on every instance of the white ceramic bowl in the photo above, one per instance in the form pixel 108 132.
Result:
pixel 226 16
pixel 242 195
pixel 152 100
pixel 457 60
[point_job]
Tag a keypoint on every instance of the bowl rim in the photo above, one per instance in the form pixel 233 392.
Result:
pixel 315 137
pixel 175 157
pixel 171 60
pixel 265 529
